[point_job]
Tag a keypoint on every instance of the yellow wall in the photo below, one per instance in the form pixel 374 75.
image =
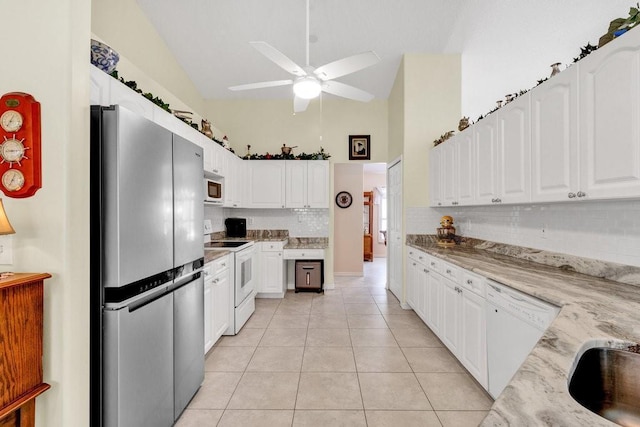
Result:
pixel 348 243
pixel 267 124
pixel 431 107
pixel 396 115
pixel 52 226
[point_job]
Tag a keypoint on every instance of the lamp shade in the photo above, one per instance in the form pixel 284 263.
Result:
pixel 307 88
pixel 5 225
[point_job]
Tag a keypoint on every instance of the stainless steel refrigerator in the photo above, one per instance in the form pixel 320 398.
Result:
pixel 147 306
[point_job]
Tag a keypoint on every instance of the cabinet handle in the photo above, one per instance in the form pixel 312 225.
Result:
pixel 571 195
pixel 224 264
pixel 439 204
pixel 433 264
pixel 448 271
pixel 581 194
pixel 469 282
pixel 414 264
pixel 419 257
pixel 425 270
pixel 216 280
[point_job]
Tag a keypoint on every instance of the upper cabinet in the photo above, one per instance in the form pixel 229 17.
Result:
pixel 266 185
pixel 554 138
pixel 574 137
pixel 609 81
pixel 307 183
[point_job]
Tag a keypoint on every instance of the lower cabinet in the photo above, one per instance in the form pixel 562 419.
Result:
pixel 451 302
pixel 217 300
pixel 271 262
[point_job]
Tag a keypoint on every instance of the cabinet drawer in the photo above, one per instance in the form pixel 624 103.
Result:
pixel 272 246
pixel 417 255
pixel 450 271
pixel 433 263
pixel 473 283
pixel 304 254
pixel 216 266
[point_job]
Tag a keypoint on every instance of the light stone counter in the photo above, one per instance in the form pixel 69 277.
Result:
pixel 595 312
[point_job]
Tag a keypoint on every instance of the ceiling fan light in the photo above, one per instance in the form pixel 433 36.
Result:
pixel 307 88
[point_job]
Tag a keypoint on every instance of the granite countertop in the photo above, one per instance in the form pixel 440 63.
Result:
pixel 594 312
pixel 307 243
pixel 214 255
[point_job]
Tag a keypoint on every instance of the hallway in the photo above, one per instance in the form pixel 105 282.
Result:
pixel 350 357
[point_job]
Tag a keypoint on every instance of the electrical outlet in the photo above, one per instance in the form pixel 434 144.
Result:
pixel 6 250
pixel 249 221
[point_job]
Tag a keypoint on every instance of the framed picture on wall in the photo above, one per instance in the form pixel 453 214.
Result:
pixel 359 147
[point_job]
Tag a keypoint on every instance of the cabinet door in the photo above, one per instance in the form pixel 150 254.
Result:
pixel 609 82
pixel 554 137
pixel 221 293
pixel 412 283
pixel 435 176
pixel 208 316
pixel 317 184
pixel 272 269
pixel 434 302
pixel 296 183
pixel 449 172
pixel 451 307
pixel 266 184
pixel 465 167
pixel 473 354
pixel 514 152
pixel 486 146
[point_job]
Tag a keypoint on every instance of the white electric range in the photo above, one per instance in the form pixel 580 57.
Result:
pixel 244 268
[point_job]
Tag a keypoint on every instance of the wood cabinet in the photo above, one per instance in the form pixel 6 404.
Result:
pixel 368 226
pixel 217 300
pixel 266 184
pixel 21 322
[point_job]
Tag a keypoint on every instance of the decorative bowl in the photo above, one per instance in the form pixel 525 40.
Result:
pixel 103 57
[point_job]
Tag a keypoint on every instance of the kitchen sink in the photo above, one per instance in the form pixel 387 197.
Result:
pixel 607 382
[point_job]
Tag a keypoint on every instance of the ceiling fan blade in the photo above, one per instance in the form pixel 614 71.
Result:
pixel 300 104
pixel 279 58
pixel 261 85
pixel 346 91
pixel 347 65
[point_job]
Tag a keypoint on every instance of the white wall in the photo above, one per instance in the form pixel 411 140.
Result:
pixel 52 231
pixel 507 46
pixel 608 231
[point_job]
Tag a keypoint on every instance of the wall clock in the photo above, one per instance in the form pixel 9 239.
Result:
pixel 344 199
pixel 20 156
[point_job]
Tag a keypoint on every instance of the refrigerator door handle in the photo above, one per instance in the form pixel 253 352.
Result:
pixel 195 275
pixel 146 301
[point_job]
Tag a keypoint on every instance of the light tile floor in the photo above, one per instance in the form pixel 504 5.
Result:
pixel 350 357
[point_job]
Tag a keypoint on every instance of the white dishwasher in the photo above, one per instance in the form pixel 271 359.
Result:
pixel 515 323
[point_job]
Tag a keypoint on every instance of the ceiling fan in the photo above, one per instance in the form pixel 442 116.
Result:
pixel 309 81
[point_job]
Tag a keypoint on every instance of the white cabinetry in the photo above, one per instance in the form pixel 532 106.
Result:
pixel 449 172
pixel 271 262
pixel 465 152
pixel 451 301
pixel 485 140
pixel 609 82
pixel 514 152
pixel 234 181
pixel 554 138
pixel 435 176
pixel 307 183
pixel 266 185
pixel 217 300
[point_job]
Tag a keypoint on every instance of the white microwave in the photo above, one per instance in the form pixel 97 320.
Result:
pixel 212 191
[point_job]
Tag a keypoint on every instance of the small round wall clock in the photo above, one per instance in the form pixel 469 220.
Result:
pixel 344 199
pixel 20 156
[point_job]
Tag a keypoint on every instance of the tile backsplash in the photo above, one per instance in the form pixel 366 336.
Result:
pixel 608 231
pixel 299 222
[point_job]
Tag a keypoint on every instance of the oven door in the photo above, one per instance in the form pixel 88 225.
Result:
pixel 245 274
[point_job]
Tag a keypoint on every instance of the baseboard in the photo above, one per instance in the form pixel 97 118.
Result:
pixel 405 306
